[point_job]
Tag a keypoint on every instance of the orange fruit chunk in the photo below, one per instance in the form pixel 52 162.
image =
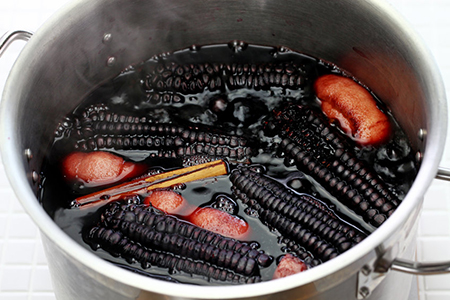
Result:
pixel 220 222
pixel 354 108
pixel 289 265
pixel 166 200
pixel 97 168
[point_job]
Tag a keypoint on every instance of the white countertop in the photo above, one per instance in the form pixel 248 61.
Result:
pixel 23 267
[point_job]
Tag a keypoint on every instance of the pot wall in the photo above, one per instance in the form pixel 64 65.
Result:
pixel 69 56
pixel 81 282
pixel 358 38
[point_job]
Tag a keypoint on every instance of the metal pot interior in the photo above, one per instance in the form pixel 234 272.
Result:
pixel 70 56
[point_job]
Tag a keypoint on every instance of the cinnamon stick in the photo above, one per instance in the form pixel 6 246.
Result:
pixel 162 180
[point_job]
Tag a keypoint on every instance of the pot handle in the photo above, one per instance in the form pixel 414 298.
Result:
pixel 369 279
pixel 443 174
pixel 418 268
pixel 372 274
pixel 12 36
pixel 421 268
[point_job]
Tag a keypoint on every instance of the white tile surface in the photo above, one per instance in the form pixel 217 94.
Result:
pixel 14 296
pixel 3 224
pixel 40 258
pixel 437 198
pixel 434 223
pixel 5 199
pixel 438 296
pixel 437 283
pixel 19 252
pixel 23 271
pixel 15 278
pixel 41 281
pixel 22 227
pixel 42 296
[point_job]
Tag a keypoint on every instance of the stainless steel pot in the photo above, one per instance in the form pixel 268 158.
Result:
pixel 91 41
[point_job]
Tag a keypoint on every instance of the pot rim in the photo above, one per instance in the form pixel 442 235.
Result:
pixel 434 149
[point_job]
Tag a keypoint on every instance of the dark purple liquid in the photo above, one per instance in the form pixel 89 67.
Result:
pixel 250 108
